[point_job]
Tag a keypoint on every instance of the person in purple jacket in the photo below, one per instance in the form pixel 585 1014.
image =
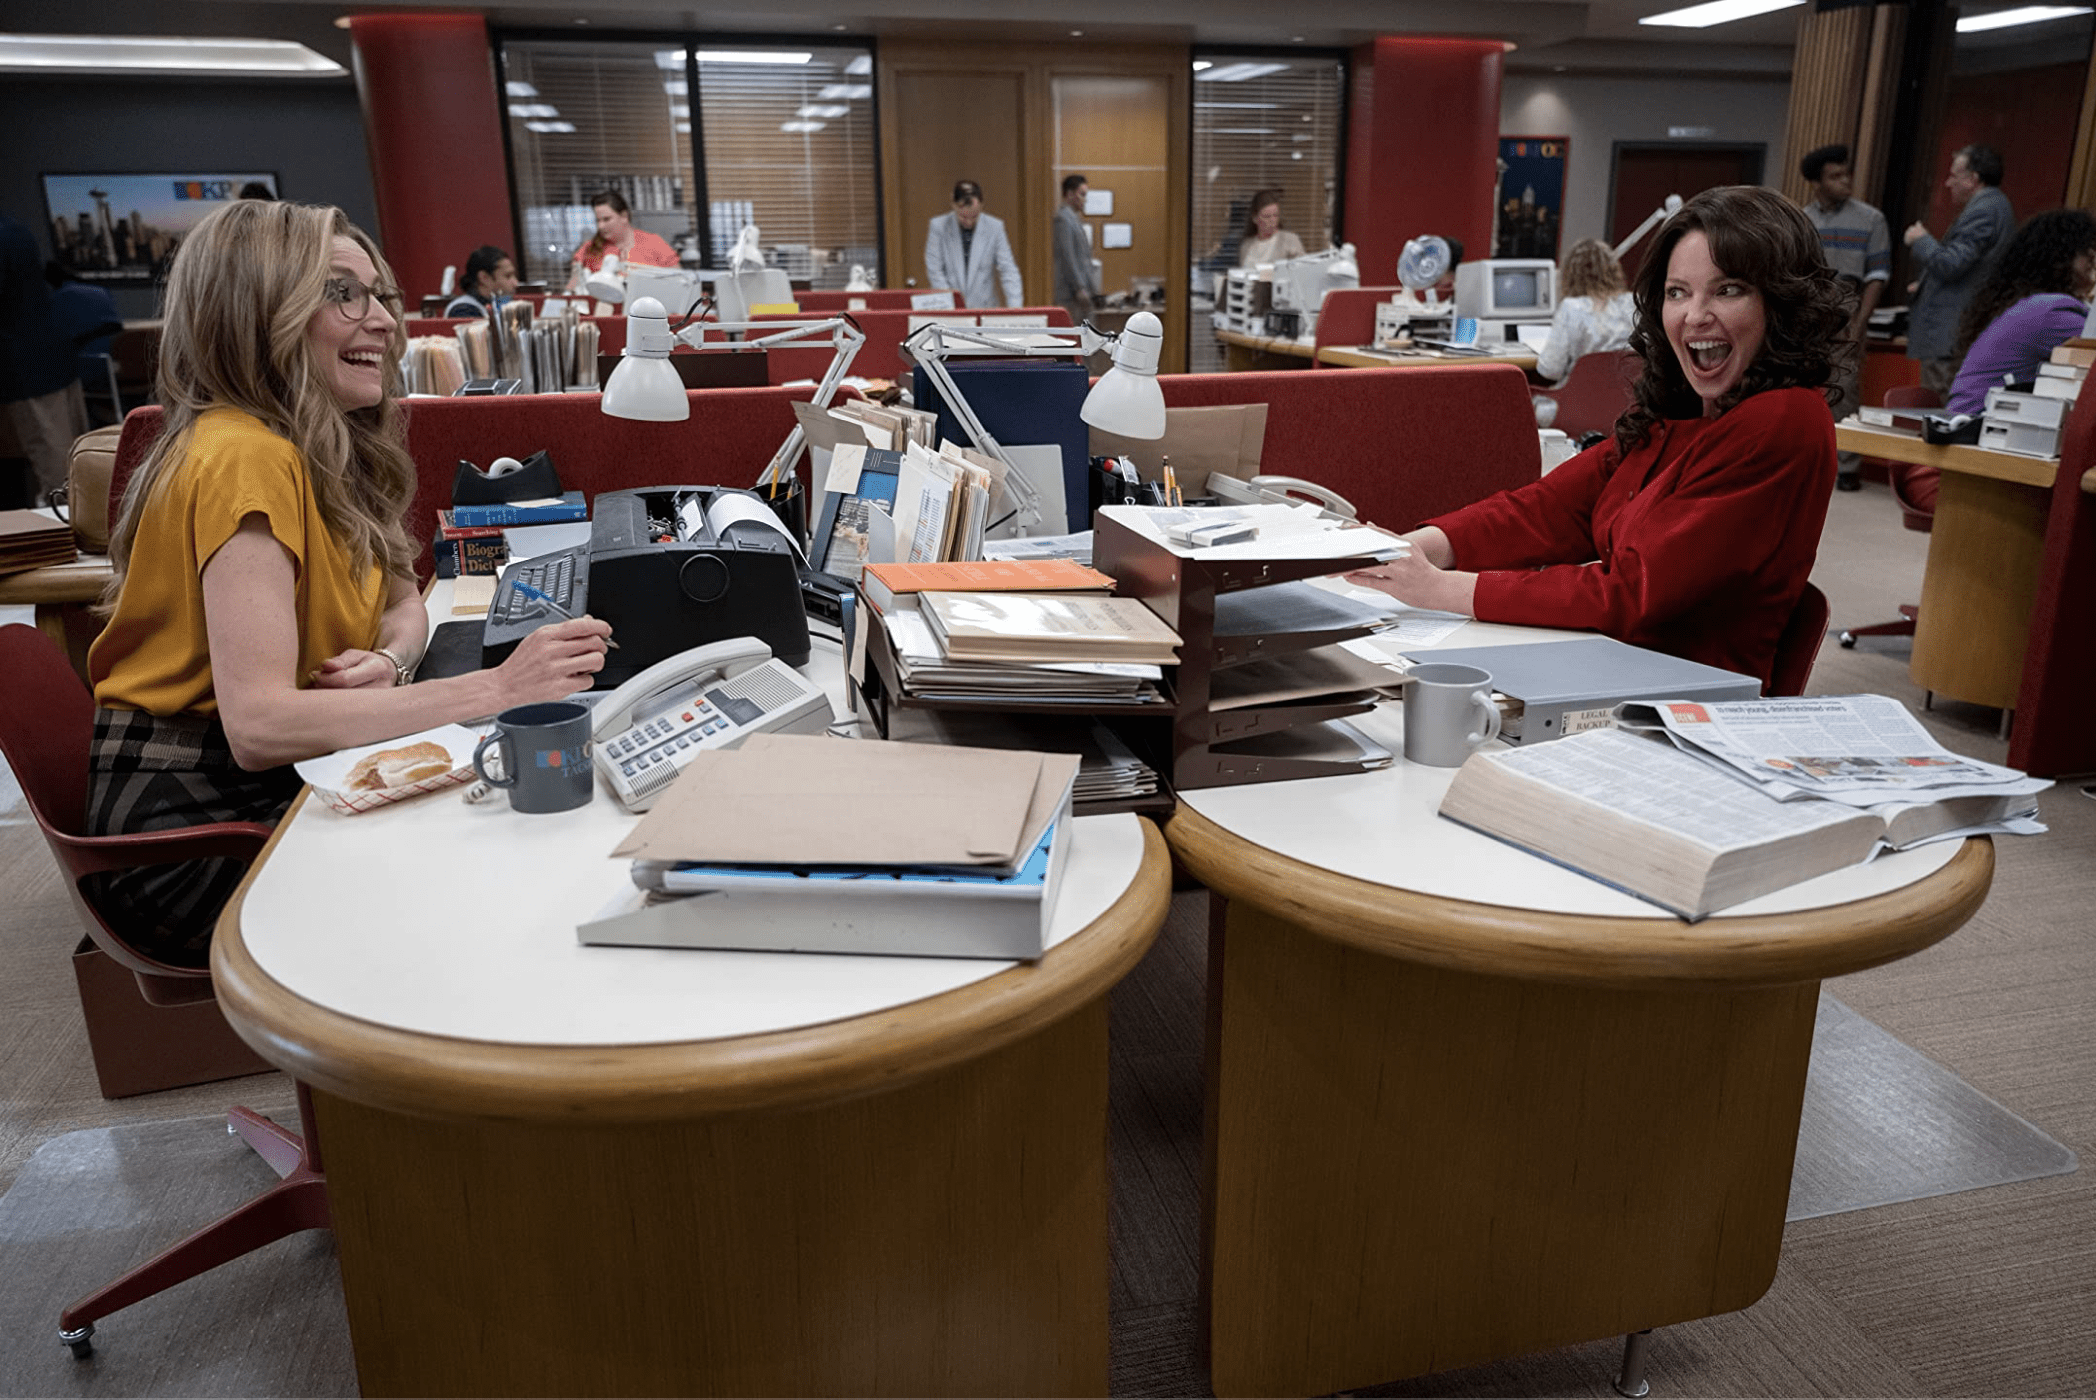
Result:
pixel 2036 297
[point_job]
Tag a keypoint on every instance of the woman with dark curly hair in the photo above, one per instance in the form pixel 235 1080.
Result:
pixel 1693 530
pixel 2036 298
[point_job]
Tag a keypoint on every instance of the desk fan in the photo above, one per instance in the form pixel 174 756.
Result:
pixel 1423 263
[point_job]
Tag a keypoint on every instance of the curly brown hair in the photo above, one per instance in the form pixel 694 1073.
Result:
pixel 1764 240
pixel 2038 259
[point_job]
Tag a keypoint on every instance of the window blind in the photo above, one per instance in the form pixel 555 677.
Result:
pixel 591 116
pixel 1260 121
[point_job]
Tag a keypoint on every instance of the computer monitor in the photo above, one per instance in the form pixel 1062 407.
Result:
pixel 1507 289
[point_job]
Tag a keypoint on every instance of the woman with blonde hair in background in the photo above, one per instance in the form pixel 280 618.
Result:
pixel 264 608
pixel 1595 311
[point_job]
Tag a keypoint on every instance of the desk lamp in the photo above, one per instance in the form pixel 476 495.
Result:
pixel 645 385
pixel 1665 210
pixel 606 283
pixel 1126 400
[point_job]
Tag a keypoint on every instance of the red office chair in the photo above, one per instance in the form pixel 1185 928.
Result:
pixel 1914 487
pixel 46 723
pixel 1595 394
pixel 1799 645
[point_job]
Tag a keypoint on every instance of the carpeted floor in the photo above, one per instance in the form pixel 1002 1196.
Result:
pixel 1983 1292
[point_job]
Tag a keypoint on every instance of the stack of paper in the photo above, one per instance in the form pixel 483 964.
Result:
pixel 927 673
pixel 1298 531
pixel 1041 627
pixel 797 843
pixel 1856 750
pixel 32 541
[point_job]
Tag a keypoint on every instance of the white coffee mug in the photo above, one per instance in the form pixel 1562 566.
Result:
pixel 1448 713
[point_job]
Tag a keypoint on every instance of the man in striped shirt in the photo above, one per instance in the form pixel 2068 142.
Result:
pixel 1858 246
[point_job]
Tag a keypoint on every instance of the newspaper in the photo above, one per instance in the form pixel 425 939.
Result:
pixel 1858 750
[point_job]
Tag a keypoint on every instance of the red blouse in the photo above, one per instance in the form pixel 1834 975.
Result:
pixel 1698 543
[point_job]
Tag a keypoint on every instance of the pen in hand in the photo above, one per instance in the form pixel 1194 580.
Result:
pixel 550 606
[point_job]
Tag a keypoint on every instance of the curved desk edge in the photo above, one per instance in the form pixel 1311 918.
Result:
pixel 1759 950
pixel 410 1072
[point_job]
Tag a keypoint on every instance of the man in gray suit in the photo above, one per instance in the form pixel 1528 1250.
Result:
pixel 1948 272
pixel 966 250
pixel 1075 283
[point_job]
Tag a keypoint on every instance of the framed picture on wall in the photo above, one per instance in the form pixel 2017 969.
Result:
pixel 124 228
pixel 1531 201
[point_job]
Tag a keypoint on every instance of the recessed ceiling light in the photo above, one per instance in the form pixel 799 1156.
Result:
pixel 1295 38
pixel 580 20
pixel 1077 34
pixel 1243 106
pixel 823 109
pixel 516 89
pixel 533 109
pixel 2023 14
pixel 1241 131
pixel 845 92
pixel 82 53
pixel 550 128
pixel 1717 12
pixel 802 126
pixel 839 26
pixel 751 56
pixel 1243 72
pixel 859 66
pixel 1202 65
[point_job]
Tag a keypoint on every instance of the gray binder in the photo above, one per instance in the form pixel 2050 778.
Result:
pixel 1565 687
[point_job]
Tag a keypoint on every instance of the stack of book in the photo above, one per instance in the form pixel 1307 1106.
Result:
pixel 32 541
pixel 1024 631
pixel 2062 376
pixel 464 550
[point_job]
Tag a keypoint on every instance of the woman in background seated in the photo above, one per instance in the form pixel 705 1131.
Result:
pixel 1693 530
pixel 1594 310
pixel 2035 298
pixel 1264 240
pixel 616 234
pixel 264 608
pixel 490 279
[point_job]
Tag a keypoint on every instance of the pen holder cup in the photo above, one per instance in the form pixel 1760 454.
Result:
pixel 788 501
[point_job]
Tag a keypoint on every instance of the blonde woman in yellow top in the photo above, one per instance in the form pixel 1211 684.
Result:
pixel 265 607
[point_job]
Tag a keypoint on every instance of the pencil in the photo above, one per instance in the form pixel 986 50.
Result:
pixel 552 607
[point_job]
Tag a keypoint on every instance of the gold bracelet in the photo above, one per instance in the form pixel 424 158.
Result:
pixel 402 672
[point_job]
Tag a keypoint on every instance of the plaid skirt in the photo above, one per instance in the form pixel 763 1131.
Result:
pixel 156 773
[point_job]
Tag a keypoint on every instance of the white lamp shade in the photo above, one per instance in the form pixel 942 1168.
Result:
pixel 605 284
pixel 647 388
pixel 1126 403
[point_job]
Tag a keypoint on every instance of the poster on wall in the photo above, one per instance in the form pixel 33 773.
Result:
pixel 1531 196
pixel 125 228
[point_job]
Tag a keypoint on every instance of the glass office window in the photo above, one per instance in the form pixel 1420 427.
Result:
pixel 788 135
pixel 1260 122
pixel 585 117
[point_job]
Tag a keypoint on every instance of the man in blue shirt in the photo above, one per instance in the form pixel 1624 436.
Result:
pixel 1858 246
pixel 39 377
pixel 1949 271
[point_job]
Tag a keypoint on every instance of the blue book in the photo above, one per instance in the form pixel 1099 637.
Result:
pixel 569 507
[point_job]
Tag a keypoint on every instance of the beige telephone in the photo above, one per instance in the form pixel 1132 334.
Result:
pixel 1279 490
pixel 711 697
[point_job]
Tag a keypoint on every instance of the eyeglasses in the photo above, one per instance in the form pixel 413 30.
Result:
pixel 354 298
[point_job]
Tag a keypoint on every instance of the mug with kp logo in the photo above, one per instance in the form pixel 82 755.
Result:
pixel 544 756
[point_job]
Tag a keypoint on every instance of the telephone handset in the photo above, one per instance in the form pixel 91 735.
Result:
pixel 1279 490
pixel 711 697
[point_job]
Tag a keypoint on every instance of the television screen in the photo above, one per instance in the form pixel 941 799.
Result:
pixel 1517 289
pixel 125 228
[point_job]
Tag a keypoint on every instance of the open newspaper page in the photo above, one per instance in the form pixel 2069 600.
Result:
pixel 1859 750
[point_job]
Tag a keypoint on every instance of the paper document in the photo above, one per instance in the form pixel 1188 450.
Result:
pixel 1285 532
pixel 730 509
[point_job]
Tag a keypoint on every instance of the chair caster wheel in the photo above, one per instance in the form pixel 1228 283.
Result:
pixel 80 1340
pixel 1847 639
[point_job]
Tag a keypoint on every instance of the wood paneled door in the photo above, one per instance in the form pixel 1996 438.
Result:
pixel 1017 118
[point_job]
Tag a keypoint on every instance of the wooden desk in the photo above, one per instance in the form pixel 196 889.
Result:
pixel 63 595
pixel 1242 352
pixel 1985 549
pixel 1368 357
pixel 1465 1104
pixel 622 1171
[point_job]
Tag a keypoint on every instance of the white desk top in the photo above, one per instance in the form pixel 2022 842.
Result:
pixel 1384 828
pixel 436 917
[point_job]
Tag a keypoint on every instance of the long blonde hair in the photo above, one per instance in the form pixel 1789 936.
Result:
pixel 245 285
pixel 1590 270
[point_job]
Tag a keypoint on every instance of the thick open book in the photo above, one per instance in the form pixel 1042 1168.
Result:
pixel 1637 813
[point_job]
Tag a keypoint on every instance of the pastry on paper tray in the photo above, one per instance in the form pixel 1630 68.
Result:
pixel 391 768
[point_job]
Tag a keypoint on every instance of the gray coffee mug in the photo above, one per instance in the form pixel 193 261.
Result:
pixel 1448 713
pixel 545 755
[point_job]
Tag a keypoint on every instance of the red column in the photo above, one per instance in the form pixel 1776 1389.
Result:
pixel 433 125
pixel 1422 147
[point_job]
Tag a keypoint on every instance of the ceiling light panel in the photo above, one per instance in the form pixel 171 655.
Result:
pixel 823 109
pixel 752 56
pixel 801 127
pixel 845 92
pixel 533 109
pixel 2023 14
pixel 92 53
pixel 516 89
pixel 550 128
pixel 1245 72
pixel 1718 12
